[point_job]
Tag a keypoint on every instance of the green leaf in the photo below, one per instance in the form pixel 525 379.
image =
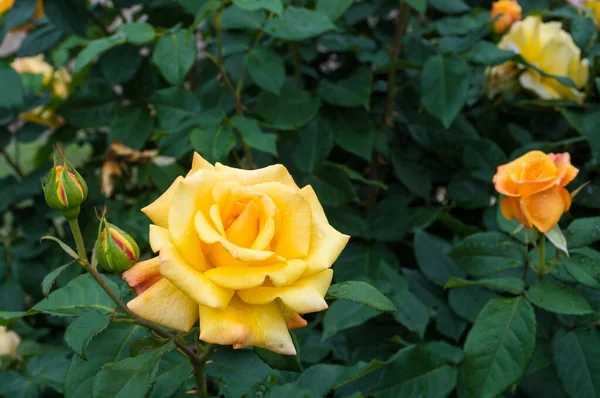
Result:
pixel 468 303
pixel 20 12
pixel 343 315
pixel 97 47
pixel 499 346
pixel 51 277
pixel 7 317
pixel 582 30
pixel 433 260
pixel 82 294
pixel 586 122
pixel 557 238
pixel 131 119
pixel 214 144
pixel 236 371
pixel 174 107
pixel 417 371
pixel 449 324
pixel 583 232
pixel 80 333
pixel 291 109
pixel 445 86
pixel 131 377
pixel 583 266
pixel 67 15
pixel 449 6
pixel 482 158
pixel 313 145
pixel 10 86
pixel 411 312
pixel 253 136
pixel 237 18
pixel 488 54
pixel 138 32
pixel 298 24
pixel 388 220
pixel 486 253
pixel 266 68
pixel 350 92
pixel 289 363
pixel 508 284
pixel 173 372
pixel 363 293
pixel 414 175
pixel 120 64
pixel 556 297
pixel 112 345
pixel 48 369
pixel 39 41
pixel 576 357
pixel 274 6
pixel 174 55
pixel 66 248
pixel 333 8
pixel 204 11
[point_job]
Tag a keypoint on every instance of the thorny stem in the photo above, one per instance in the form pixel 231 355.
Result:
pixel 542 254
pixel 198 361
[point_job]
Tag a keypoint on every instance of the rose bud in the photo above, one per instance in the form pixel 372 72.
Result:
pixel 64 188
pixel 507 11
pixel 117 251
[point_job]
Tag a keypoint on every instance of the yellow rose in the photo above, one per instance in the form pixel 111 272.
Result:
pixel 246 251
pixel 594 5
pixel 56 80
pixel 548 47
pixel 9 341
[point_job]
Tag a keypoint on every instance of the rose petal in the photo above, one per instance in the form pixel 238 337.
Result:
pixel 237 278
pixel 143 275
pixel 544 209
pixel 243 325
pixel 199 163
pixel 158 211
pixel 163 303
pixel 304 296
pixel 192 282
pixel 158 237
pixel 326 243
pixel 276 173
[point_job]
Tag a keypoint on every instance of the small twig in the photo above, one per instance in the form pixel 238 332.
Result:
pixel 199 372
pixel 13 164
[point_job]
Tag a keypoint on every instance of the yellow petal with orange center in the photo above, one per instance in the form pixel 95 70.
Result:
pixel 164 304
pixel 159 237
pixel 243 231
pixel 143 275
pixel 326 243
pixel 158 211
pixel 210 236
pixel 237 278
pixel 544 209
pixel 296 219
pixel 304 296
pixel 192 282
pixel 243 325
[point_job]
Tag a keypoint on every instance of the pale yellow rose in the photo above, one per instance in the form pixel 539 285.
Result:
pixel 57 81
pixel 9 341
pixel 246 251
pixel 549 48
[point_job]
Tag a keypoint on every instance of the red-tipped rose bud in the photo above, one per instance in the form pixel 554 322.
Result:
pixel 117 251
pixel 64 188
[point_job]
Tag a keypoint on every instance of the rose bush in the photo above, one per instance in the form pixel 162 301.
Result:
pixel 455 141
pixel 246 250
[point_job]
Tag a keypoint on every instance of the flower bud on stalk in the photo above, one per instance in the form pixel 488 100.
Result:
pixel 64 188
pixel 117 251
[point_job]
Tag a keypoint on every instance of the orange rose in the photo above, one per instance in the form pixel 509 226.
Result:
pixel 534 188
pixel 509 12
